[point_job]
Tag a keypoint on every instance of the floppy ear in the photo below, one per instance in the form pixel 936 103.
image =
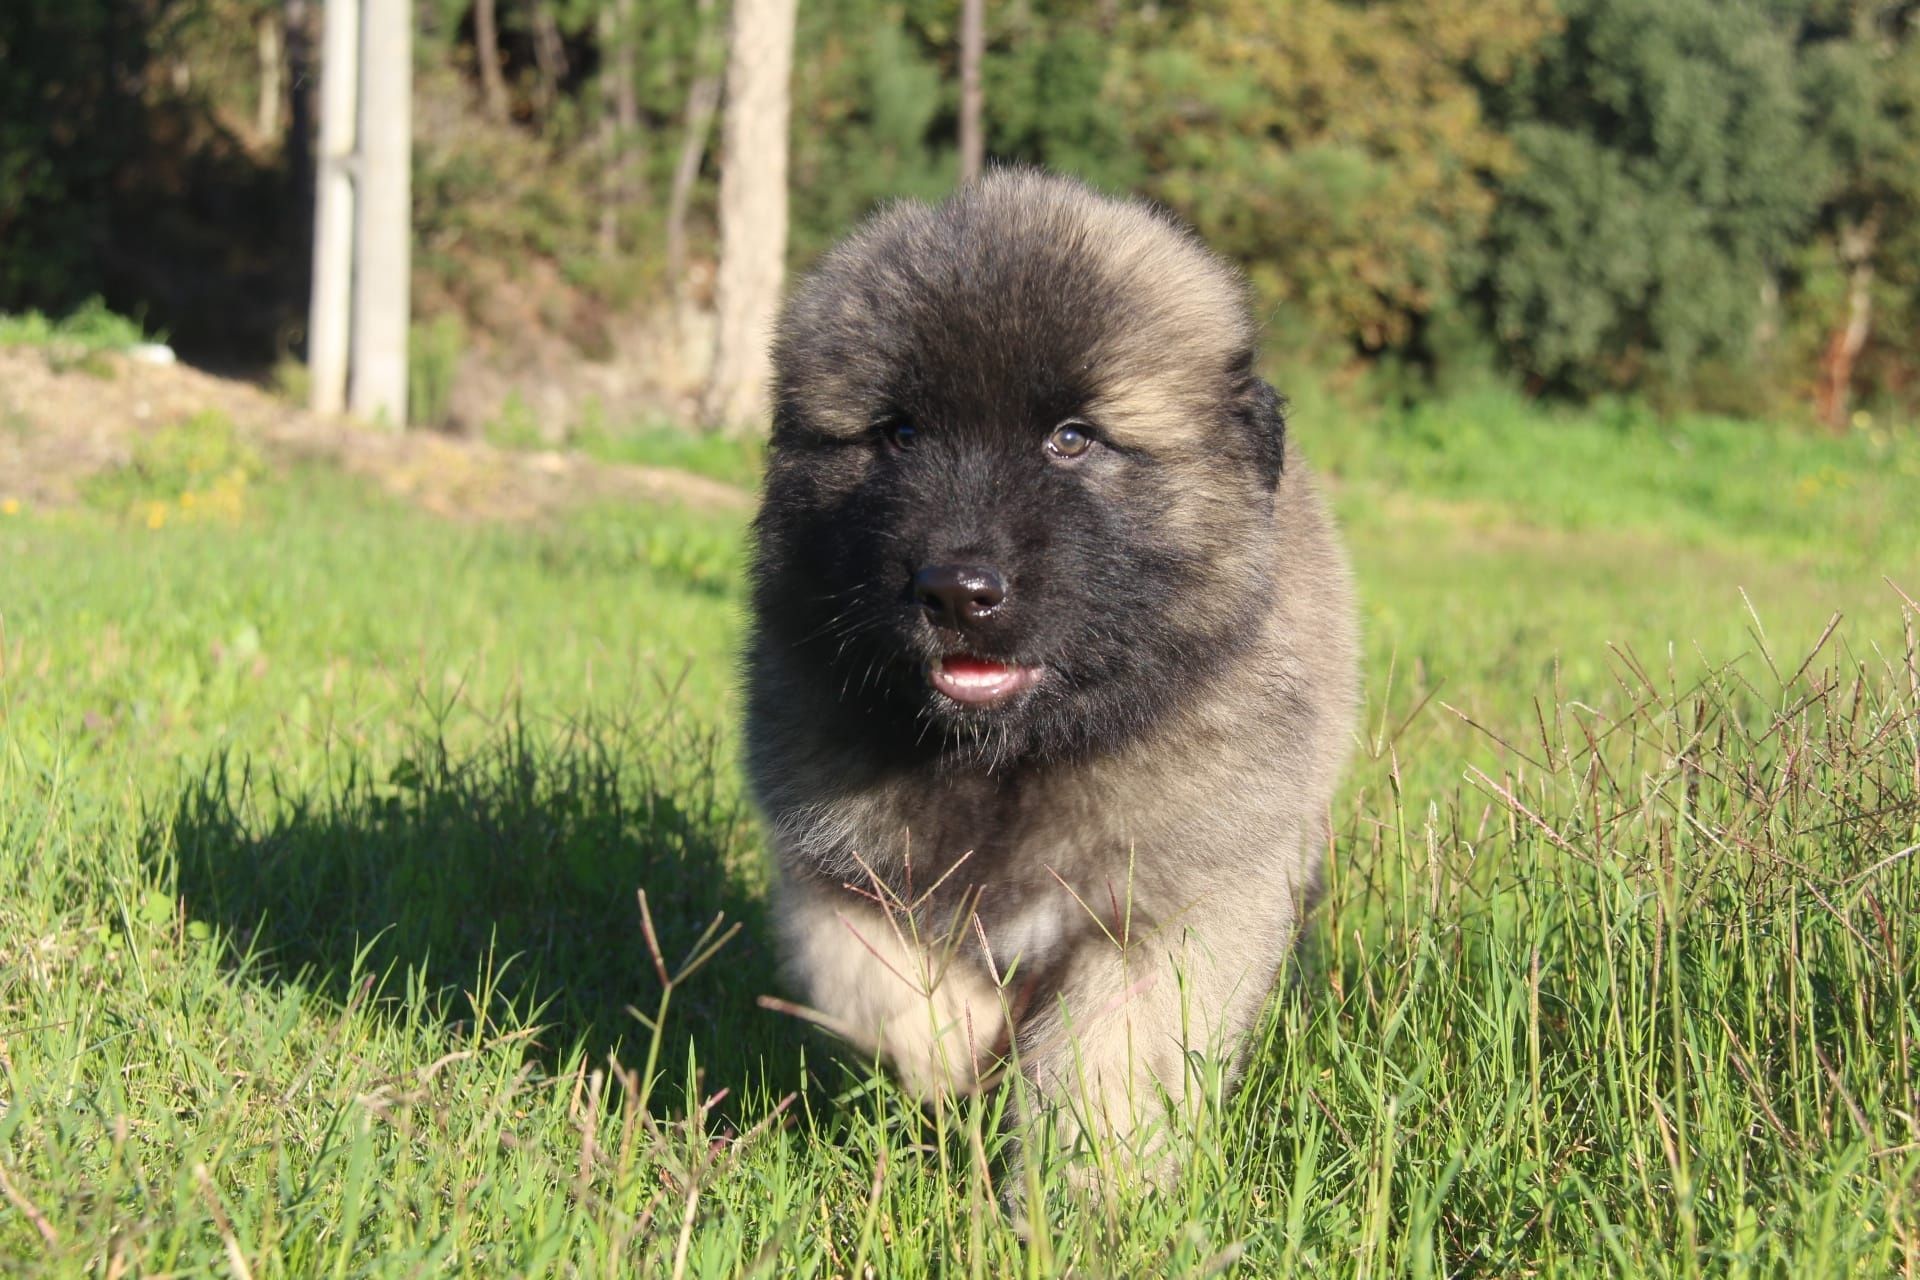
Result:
pixel 1265 413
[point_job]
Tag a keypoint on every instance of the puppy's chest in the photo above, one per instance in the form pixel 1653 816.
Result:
pixel 1022 868
pixel 980 829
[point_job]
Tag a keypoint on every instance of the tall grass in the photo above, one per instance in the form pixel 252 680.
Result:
pixel 1637 996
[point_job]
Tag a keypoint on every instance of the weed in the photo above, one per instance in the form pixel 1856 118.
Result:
pixel 433 356
pixel 200 468
pixel 516 426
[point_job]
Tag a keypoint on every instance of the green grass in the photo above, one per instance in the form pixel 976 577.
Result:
pixel 322 823
pixel 1699 480
pixel 718 456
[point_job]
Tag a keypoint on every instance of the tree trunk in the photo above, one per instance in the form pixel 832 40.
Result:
pixel 609 137
pixel 1857 243
pixel 383 241
pixel 633 169
pixel 624 175
pixel 331 306
pixel 1766 326
pixel 486 51
pixel 269 43
pixel 703 101
pixel 973 45
pixel 753 211
pixel 549 54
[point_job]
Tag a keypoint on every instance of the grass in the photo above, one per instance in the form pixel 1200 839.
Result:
pixel 716 455
pixel 322 824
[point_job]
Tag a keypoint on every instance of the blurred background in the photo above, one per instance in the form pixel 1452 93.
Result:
pixel 1693 204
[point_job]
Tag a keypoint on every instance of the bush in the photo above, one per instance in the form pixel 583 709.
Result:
pixel 76 340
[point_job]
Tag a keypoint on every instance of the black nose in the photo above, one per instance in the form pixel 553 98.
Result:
pixel 959 595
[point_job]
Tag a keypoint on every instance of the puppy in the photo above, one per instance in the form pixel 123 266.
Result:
pixel 1052 668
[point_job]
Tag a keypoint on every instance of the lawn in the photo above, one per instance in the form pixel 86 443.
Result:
pixel 324 821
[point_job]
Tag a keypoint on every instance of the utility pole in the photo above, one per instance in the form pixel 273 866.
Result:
pixel 328 317
pixel 363 235
pixel 383 239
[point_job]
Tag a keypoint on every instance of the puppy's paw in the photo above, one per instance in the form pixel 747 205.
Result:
pixel 948 1042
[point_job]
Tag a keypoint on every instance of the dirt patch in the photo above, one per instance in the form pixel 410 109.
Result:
pixel 59 426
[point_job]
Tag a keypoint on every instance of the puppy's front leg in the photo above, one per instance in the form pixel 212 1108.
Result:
pixel 1137 1025
pixel 923 1003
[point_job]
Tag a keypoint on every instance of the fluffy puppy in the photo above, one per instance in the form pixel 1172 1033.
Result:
pixel 1052 667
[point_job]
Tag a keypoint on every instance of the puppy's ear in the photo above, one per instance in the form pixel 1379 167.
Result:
pixel 1264 411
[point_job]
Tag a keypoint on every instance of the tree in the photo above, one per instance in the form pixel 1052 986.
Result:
pixel 625 174
pixel 703 100
pixel 873 113
pixel 270 40
pixel 753 210
pixel 1861 76
pixel 973 44
pixel 486 51
pixel 549 55
pixel 1664 178
pixel 1339 151
pixel 73 115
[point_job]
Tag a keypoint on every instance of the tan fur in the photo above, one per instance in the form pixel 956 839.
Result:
pixel 1155 390
pixel 942 1024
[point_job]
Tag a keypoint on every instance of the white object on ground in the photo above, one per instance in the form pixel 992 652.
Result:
pixel 152 353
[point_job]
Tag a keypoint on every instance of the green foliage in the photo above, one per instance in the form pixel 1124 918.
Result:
pixel 516 426
pixel 872 90
pixel 1047 85
pixel 1664 176
pixel 63 117
pixel 1861 80
pixel 1860 75
pixel 1339 151
pixel 77 340
pixel 492 204
pixel 89 327
pixel 198 468
pixel 1681 199
pixel 122 176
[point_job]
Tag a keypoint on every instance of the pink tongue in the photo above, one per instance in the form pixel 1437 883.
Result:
pixel 965 668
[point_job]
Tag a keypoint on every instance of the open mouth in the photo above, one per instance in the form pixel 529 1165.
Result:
pixel 979 682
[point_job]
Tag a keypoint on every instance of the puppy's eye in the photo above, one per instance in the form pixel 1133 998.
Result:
pixel 901 434
pixel 1070 439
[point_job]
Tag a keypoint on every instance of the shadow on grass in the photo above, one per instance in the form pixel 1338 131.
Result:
pixel 521 857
